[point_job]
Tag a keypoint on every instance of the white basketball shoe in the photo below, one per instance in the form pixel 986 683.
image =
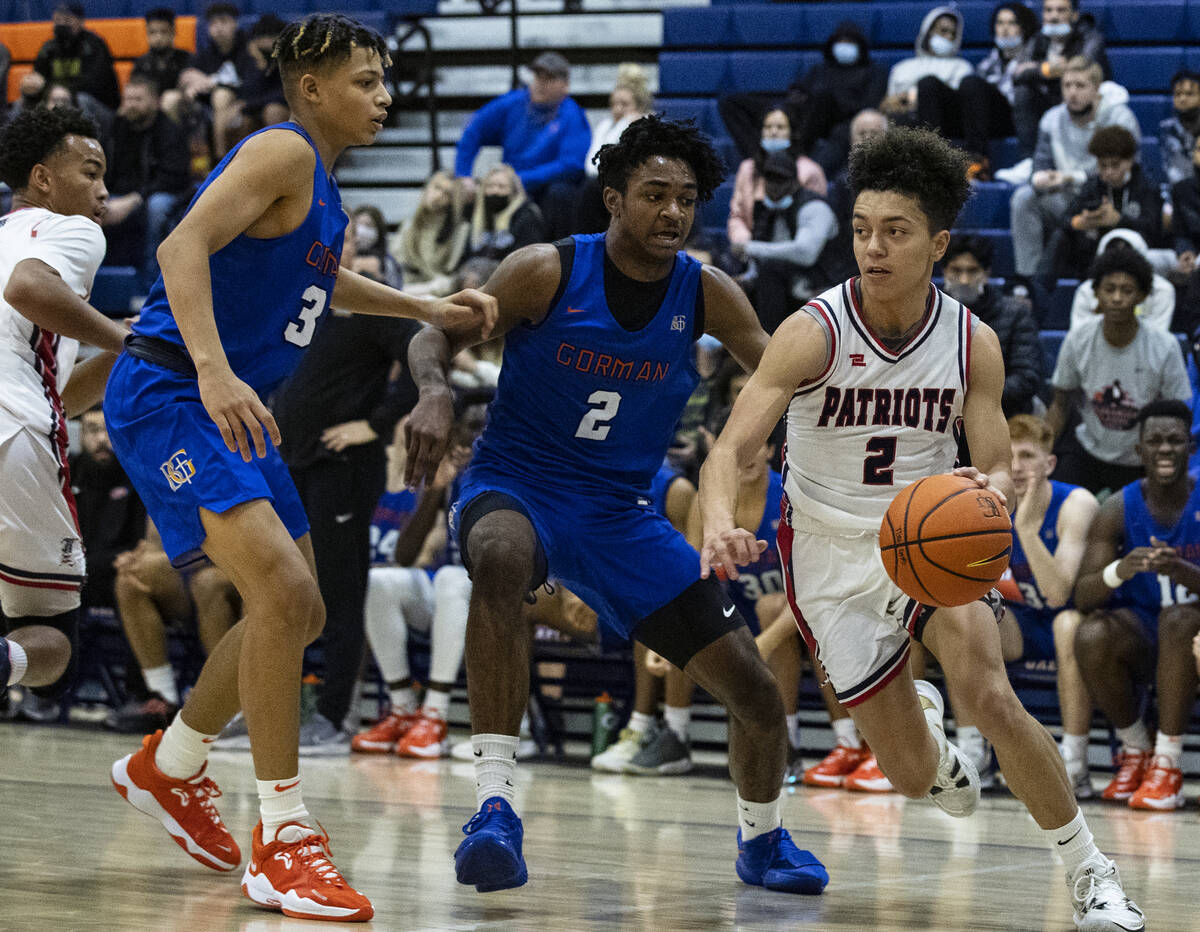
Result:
pixel 956 787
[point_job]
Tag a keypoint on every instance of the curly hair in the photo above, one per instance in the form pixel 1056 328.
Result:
pixel 1129 261
pixel 1164 407
pixel 673 139
pixel 321 40
pixel 917 163
pixel 32 136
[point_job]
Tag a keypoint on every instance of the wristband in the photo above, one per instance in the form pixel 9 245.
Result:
pixel 1110 577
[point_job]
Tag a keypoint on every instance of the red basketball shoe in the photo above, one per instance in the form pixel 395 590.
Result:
pixel 1131 770
pixel 385 734
pixel 1162 787
pixel 427 738
pixel 868 778
pixel 297 878
pixel 837 765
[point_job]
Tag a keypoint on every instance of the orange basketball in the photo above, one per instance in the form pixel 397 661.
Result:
pixel 945 541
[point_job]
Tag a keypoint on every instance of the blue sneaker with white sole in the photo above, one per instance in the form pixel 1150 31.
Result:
pixel 490 858
pixel 773 861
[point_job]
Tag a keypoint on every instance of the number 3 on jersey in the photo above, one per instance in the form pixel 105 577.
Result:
pixel 312 303
pixel 594 424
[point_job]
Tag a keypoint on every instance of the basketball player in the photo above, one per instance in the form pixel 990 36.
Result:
pixel 50 248
pixel 246 278
pixel 877 376
pixel 1049 537
pixel 1140 583
pixel 597 368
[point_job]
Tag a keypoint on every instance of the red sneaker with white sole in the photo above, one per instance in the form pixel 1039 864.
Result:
pixel 385 734
pixel 1131 769
pixel 868 778
pixel 184 807
pixel 1162 787
pixel 428 738
pixel 296 877
pixel 837 765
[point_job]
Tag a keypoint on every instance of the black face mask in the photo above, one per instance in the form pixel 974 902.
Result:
pixel 494 203
pixel 64 35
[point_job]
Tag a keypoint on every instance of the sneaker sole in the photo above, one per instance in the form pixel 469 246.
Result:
pixel 426 753
pixel 821 779
pixel 257 888
pixel 870 786
pixel 1165 803
pixel 144 801
pixel 373 747
pixel 950 795
pixel 490 868
pixel 325 750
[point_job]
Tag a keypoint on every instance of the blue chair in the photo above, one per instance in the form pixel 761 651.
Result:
pixel 1002 251
pixel 1150 158
pixel 696 27
pixel 1005 152
pixel 822 18
pixel 1145 69
pixel 1147 21
pixel 771 25
pixel 715 213
pixel 701 109
pixel 1150 110
pixel 987 206
pixel 767 71
pixel 1052 341
pixel 107 9
pixel 1056 313
pixel 693 73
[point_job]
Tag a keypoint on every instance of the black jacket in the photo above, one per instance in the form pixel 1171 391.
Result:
pixel 163 68
pixel 1085 39
pixel 150 160
pixel 112 520
pixel 853 87
pixel 1138 202
pixel 1020 346
pixel 1185 223
pixel 84 64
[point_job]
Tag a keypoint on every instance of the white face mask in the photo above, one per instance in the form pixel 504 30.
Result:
pixel 1008 43
pixel 845 53
pixel 941 46
pixel 775 143
pixel 365 235
pixel 1056 30
pixel 965 292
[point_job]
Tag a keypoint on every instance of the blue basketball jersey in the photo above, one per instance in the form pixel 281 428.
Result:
pixel 1018 562
pixel 391 514
pixel 268 295
pixel 1150 593
pixel 764 575
pixel 582 402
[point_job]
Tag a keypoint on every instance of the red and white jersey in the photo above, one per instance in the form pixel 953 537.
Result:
pixel 876 419
pixel 34 363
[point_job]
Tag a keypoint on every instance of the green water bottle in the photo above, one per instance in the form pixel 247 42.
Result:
pixel 604 723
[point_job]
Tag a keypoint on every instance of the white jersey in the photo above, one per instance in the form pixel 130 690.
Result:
pixel 34 363
pixel 876 419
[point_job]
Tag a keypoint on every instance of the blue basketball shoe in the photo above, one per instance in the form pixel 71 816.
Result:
pixel 490 858
pixel 773 861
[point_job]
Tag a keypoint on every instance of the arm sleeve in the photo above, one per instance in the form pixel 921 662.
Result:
pixel 815 226
pixel 73 247
pixel 572 151
pixel 485 128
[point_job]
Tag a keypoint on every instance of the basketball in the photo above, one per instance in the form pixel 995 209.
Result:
pixel 945 541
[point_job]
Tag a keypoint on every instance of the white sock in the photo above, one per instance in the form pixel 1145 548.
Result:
pixel 793 725
pixel 965 733
pixel 845 732
pixel 639 722
pixel 678 718
pixel 1074 748
pixel 404 700
pixel 18 661
pixel 183 750
pixel 437 704
pixel 1073 842
pixel 162 681
pixel 279 801
pixel 1170 747
pixel 756 819
pixel 1134 737
pixel 495 766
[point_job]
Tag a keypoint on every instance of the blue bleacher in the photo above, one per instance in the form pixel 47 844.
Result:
pixel 113 289
pixel 1001 240
pixel 987 206
pixel 715 213
pixel 1056 314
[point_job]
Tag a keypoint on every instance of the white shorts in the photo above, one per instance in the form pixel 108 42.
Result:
pixel 855 620
pixel 41 554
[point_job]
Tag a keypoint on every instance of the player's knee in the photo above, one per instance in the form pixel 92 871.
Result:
pixel 501 563
pixel 1064 627
pixel 1177 626
pixel 1094 639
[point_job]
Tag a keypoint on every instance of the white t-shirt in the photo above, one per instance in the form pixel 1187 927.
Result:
pixel 35 364
pixel 1116 384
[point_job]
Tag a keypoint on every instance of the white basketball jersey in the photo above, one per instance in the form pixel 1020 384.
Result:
pixel 877 419
pixel 35 363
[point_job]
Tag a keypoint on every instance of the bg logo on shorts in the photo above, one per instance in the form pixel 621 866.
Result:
pixel 178 470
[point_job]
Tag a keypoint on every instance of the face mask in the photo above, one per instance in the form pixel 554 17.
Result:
pixel 63 34
pixel 494 203
pixel 964 293
pixel 941 46
pixel 1008 43
pixel 845 53
pixel 1056 30
pixel 774 144
pixel 782 204
pixel 365 235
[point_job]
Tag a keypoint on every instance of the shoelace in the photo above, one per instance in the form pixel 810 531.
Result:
pixel 205 792
pixel 313 852
pixel 1098 884
pixel 476 821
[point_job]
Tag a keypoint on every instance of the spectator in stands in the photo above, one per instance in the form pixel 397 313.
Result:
pixel 429 247
pixel 788 249
pixel 544 135
pixel 1185 215
pixel 78 58
pixel 981 109
pixel 1065 34
pixel 1108 369
pixel 147 179
pixel 1116 194
pixel 1061 161
pixel 503 219
pixel 151 596
pixel 819 103
pixel 630 100
pixel 1138 583
pixel 371 258
pixel 164 63
pixel 865 125
pixel 260 98
pixel 1156 311
pixel 1177 133
pixel 967 266
pixel 212 77
pixel 936 70
pixel 5 62
pixel 59 95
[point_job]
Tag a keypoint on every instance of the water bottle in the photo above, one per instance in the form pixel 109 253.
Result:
pixel 308 697
pixel 604 723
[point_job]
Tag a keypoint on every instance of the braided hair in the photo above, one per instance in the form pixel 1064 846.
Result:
pixel 321 40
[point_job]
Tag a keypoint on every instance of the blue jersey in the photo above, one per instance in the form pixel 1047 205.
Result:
pixel 660 486
pixel 1149 593
pixel 391 514
pixel 1034 602
pixel 763 576
pixel 268 295
pixel 583 403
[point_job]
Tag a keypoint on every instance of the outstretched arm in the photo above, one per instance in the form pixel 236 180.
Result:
pixel 40 294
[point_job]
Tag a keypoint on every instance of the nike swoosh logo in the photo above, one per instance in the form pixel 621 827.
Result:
pixel 280 787
pixel 1002 555
pixel 479 753
pixel 207 740
pixel 1072 838
pixel 728 612
pixel 576 310
pixel 342 519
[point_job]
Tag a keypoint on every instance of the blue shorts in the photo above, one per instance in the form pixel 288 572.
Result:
pixel 177 461
pixel 621 557
pixel 1037 631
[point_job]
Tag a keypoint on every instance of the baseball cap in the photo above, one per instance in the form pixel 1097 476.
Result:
pixel 552 64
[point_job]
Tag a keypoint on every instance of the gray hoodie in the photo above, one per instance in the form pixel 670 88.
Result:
pixel 1062 145
pixel 950 69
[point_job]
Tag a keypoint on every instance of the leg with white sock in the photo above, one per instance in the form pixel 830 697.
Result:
pixel 149 591
pixel 1074 703
pixel 33 654
pixel 452 601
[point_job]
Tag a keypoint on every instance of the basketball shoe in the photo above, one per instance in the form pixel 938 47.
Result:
pixel 979 750
pixel 490 858
pixel 385 734
pixel 837 766
pixel 868 778
pixel 1162 787
pixel 184 807
pixel 773 861
pixel 1131 770
pixel 293 874
pixel 795 767
pixel 956 786
pixel 427 738
pixel 1100 903
pixel 614 758
pixel 661 753
pixel 1081 779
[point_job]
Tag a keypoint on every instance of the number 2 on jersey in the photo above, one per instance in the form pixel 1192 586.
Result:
pixel 877 468
pixel 594 424
pixel 312 303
